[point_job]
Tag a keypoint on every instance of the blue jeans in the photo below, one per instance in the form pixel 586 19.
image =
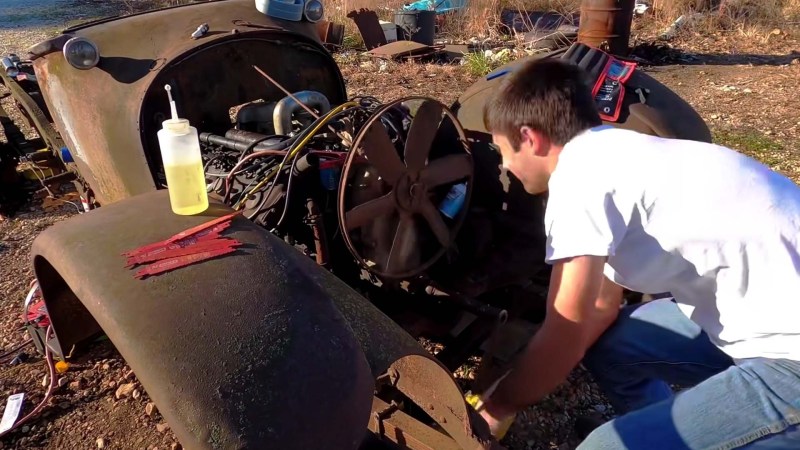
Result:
pixel 753 405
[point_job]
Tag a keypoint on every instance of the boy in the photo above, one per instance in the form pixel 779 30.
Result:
pixel 716 229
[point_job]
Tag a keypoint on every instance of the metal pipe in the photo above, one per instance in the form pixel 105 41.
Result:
pixel 286 108
pixel 9 67
pixel 470 305
pixel 286 91
pixel 315 221
pixel 244 136
pixel 242 145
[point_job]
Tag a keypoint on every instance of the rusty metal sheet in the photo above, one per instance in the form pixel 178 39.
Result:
pixel 369 26
pixel 406 431
pixel 428 384
pixel 330 33
pixel 399 49
pixel 280 366
pixel 100 112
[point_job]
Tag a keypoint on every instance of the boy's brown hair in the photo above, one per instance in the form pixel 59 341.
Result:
pixel 548 95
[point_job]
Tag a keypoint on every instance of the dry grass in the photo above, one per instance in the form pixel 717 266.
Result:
pixel 481 18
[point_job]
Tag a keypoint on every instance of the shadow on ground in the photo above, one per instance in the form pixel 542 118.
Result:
pixel 657 54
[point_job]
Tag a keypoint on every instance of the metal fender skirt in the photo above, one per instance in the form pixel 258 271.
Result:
pixel 249 350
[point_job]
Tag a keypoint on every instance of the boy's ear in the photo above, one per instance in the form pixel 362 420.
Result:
pixel 534 140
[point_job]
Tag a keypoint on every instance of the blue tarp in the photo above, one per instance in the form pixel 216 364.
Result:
pixel 441 6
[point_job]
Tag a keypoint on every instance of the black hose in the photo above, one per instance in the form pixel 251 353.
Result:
pixel 288 191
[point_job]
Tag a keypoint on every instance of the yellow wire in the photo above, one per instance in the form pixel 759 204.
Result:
pixel 294 151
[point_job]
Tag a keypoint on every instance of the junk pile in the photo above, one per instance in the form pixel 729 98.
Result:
pixel 28 167
pixel 412 33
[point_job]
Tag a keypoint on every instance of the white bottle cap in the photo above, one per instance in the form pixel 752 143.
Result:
pixel 175 124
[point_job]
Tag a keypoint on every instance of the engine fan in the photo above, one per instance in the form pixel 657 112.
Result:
pixel 405 187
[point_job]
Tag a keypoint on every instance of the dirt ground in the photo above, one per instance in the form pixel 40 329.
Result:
pixel 746 89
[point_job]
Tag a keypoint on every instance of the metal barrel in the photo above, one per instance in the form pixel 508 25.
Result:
pixel 606 22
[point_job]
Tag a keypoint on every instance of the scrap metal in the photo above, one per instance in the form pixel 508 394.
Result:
pixel 369 26
pixel 404 49
pixel 330 33
pixel 114 144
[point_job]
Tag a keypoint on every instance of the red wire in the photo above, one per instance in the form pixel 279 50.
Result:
pixel 245 159
pixel 51 367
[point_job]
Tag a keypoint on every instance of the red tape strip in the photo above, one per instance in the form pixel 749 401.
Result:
pixel 167 265
pixel 182 235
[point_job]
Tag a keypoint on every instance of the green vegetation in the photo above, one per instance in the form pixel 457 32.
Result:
pixel 754 144
pixel 479 64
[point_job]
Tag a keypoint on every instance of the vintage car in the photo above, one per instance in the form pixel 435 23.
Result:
pixel 365 225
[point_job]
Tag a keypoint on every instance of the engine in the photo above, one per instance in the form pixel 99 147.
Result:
pixel 371 191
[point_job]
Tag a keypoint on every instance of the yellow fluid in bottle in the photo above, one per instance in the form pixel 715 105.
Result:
pixel 187 188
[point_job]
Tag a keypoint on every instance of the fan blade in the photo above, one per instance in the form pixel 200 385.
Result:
pixel 404 245
pixel 447 169
pixel 368 211
pixel 421 134
pixel 381 153
pixel 434 219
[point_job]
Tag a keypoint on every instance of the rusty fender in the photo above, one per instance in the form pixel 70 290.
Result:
pixel 258 349
pixel 245 351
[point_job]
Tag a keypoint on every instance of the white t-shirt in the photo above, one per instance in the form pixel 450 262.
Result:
pixel 718 230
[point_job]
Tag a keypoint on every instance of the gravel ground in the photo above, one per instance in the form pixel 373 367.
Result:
pixel 100 402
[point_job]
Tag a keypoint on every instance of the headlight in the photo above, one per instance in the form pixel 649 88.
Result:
pixel 81 53
pixel 313 10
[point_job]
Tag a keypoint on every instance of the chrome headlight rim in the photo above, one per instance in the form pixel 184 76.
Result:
pixel 81 40
pixel 312 17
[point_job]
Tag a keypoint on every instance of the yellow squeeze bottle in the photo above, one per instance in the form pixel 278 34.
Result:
pixel 183 164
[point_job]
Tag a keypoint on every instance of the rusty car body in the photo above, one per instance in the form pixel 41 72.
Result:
pixel 309 337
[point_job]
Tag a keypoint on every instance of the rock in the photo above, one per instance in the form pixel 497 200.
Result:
pixel 175 446
pixel 162 427
pixel 150 409
pixel 26 428
pixel 112 384
pixel 76 385
pixel 124 390
pixel 101 443
pixel 64 405
pixel 129 375
pixel 45 381
pixel 600 408
pixel 106 366
pixel 136 394
pixel 62 381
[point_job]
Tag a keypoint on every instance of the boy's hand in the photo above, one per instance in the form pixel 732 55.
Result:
pixel 498 426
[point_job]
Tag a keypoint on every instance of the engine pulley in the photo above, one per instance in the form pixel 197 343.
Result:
pixel 405 187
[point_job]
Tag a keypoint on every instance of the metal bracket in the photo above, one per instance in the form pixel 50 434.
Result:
pixel 642 92
pixel 383 414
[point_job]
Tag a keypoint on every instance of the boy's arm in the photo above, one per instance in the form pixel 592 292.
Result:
pixel 582 304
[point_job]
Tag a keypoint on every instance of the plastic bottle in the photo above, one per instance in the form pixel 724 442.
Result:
pixel 183 164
